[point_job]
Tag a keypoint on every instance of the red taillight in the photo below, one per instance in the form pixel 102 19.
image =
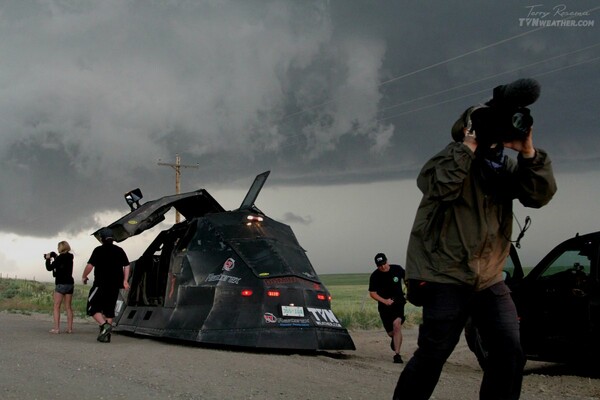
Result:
pixel 246 292
pixel 321 296
pixel 273 293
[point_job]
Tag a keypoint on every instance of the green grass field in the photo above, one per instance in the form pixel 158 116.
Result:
pixel 351 303
pixel 23 296
pixel 350 299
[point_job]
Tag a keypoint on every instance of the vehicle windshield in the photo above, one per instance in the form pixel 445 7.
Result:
pixel 269 249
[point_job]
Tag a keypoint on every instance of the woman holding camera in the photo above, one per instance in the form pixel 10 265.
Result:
pixel 61 265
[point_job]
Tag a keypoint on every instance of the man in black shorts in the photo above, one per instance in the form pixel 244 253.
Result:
pixel 111 273
pixel 385 286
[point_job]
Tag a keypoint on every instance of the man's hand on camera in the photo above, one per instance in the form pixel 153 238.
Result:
pixel 525 146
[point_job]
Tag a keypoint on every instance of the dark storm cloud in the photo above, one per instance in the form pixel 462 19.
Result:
pixel 94 93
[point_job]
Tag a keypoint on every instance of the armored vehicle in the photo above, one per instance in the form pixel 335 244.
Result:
pixel 233 278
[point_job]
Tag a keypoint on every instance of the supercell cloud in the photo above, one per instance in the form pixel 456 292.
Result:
pixel 95 93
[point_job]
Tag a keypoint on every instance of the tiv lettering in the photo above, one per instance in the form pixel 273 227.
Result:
pixel 324 317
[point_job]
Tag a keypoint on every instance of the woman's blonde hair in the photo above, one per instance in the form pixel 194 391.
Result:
pixel 63 247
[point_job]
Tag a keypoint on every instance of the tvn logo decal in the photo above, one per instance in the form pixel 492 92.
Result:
pixel 324 317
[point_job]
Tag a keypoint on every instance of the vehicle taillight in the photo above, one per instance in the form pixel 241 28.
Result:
pixel 246 293
pixel 273 293
pixel 321 296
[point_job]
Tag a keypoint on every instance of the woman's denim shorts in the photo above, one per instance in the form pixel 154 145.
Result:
pixel 64 288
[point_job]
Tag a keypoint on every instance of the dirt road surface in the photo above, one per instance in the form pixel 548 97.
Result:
pixel 35 364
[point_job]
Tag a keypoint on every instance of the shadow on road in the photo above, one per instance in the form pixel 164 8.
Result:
pixel 584 370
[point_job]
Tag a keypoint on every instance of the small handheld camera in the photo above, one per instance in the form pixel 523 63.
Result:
pixel 50 255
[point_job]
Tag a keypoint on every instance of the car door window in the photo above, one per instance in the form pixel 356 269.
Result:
pixel 568 275
pixel 571 261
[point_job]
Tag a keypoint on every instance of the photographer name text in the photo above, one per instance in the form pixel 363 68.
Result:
pixel 558 16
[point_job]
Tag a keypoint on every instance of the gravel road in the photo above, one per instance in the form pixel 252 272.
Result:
pixel 35 364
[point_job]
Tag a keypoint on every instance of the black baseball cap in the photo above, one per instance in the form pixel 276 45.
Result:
pixel 106 234
pixel 380 259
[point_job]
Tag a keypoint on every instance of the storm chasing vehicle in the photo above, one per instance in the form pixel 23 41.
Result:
pixel 234 278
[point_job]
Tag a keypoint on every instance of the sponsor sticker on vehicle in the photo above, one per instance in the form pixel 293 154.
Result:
pixel 294 322
pixel 324 317
pixel 270 318
pixel 229 264
pixel 223 278
pixel 292 311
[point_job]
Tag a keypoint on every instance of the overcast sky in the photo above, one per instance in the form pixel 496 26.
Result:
pixel 342 100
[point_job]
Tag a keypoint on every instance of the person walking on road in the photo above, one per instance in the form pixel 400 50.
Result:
pixel 111 273
pixel 385 287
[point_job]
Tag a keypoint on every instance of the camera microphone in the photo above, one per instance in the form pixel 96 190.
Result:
pixel 519 93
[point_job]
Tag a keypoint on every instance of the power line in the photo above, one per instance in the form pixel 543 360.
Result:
pixel 434 65
pixel 483 91
pixel 479 92
pixel 488 77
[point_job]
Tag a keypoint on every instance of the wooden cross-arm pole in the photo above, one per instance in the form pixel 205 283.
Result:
pixel 177 167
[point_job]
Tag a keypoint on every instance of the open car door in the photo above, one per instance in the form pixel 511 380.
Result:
pixel 190 205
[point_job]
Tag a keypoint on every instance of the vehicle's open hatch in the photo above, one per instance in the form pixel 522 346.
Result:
pixel 259 181
pixel 190 205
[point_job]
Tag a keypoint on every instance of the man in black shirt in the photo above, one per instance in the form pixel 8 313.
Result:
pixel 111 273
pixel 385 287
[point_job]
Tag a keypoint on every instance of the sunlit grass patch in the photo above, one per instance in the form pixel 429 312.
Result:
pixel 25 296
pixel 351 303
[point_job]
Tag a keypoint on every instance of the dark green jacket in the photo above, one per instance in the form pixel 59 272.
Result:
pixel 462 230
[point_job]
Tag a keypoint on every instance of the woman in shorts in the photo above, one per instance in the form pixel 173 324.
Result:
pixel 61 265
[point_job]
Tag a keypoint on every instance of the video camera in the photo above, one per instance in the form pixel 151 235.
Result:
pixel 505 117
pixel 50 255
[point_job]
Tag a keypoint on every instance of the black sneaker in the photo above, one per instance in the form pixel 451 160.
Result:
pixel 106 339
pixel 105 330
pixel 398 359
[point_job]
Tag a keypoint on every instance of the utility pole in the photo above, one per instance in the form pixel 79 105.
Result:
pixel 177 167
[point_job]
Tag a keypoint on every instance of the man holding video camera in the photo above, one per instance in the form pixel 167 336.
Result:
pixel 461 239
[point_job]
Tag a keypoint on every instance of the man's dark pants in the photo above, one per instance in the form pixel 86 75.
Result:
pixel 445 311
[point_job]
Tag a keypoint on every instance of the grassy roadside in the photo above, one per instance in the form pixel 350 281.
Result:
pixel 25 297
pixel 351 303
pixel 350 299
